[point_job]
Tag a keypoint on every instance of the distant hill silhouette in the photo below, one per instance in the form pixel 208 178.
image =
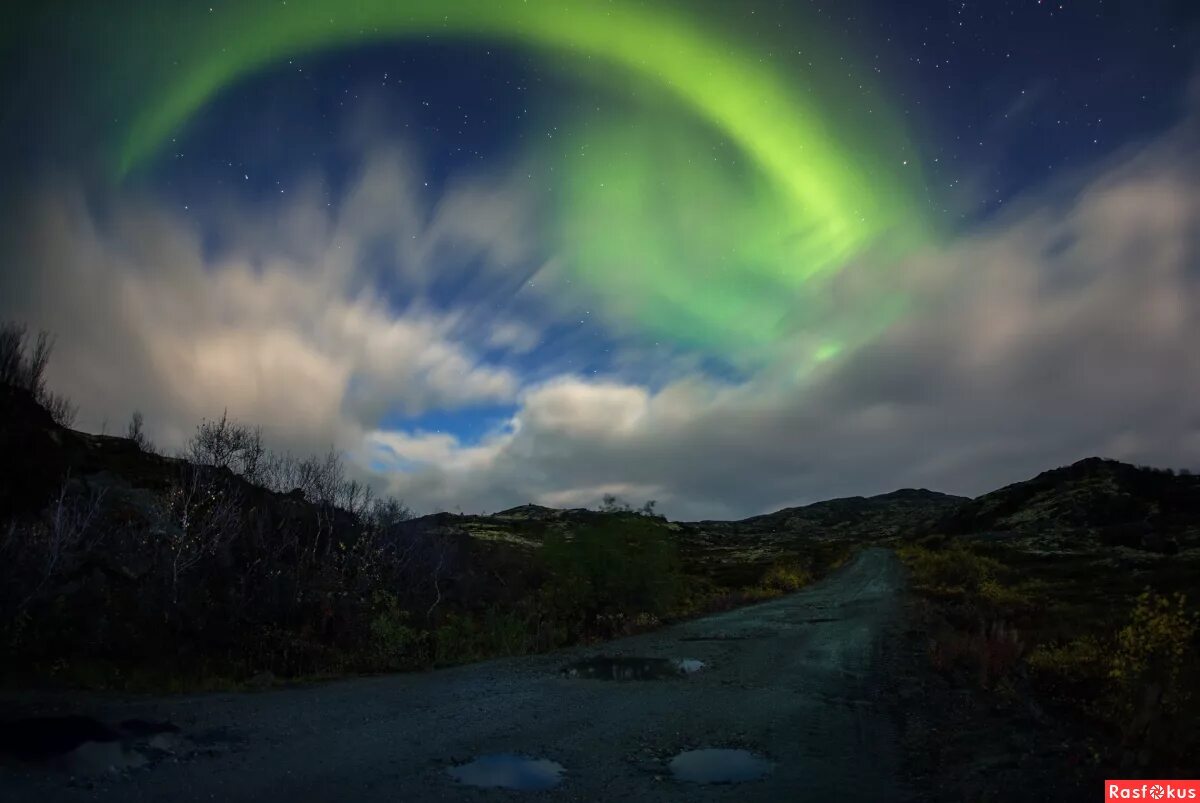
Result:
pixel 1091 502
pixel 859 516
pixel 1094 498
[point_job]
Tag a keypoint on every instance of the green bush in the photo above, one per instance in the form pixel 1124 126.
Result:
pixel 786 577
pixel 1140 682
pixel 1155 649
pixel 606 573
pixel 395 644
pixel 460 638
pixel 955 568
pixel 1000 601
pixel 1074 672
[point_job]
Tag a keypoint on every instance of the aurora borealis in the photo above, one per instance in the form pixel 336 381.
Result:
pixel 440 213
pixel 714 255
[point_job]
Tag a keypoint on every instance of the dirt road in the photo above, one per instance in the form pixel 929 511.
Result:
pixel 798 682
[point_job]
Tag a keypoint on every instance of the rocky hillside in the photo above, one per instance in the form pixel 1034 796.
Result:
pixel 759 540
pixel 1091 504
pixel 853 517
pixel 728 551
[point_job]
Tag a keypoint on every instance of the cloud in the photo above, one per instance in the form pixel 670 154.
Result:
pixel 296 337
pixel 514 336
pixel 1062 329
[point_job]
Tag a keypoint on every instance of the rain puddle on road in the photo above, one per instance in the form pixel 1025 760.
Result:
pixel 508 771
pixel 85 746
pixel 718 765
pixel 43 738
pixel 629 668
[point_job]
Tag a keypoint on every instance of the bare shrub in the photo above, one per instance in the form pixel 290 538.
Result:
pixel 388 512
pixel 611 503
pixel 35 554
pixel 413 562
pixel 319 479
pixel 23 365
pixel 12 353
pixel 230 445
pixel 136 432
pixel 992 652
pixel 204 515
pixel 61 409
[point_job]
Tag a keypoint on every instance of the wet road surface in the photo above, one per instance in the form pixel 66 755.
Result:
pixel 790 692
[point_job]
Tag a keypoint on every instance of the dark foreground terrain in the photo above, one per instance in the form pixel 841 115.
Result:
pixel 799 681
pixel 1024 644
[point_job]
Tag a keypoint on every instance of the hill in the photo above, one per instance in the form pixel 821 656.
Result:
pixel 727 548
pixel 1087 505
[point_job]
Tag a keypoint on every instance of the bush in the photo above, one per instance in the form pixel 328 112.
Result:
pixel 953 569
pixel 395 644
pixel 999 601
pixel 1154 649
pixel 991 653
pixel 230 445
pixel 607 572
pixel 38 554
pixel 979 635
pixel 461 638
pixel 25 367
pixel 1141 682
pixel 1075 672
pixel 786 577
pixel 136 432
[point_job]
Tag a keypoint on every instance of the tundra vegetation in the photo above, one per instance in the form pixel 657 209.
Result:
pixel 1094 642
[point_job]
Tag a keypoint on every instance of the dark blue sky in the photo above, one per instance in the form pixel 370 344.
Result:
pixel 999 95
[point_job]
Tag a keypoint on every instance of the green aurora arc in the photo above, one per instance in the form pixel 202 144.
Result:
pixel 723 259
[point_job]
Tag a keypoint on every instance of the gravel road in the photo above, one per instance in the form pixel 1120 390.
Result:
pixel 799 681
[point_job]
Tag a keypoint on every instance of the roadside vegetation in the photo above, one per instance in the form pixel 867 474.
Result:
pixel 1079 637
pixel 228 563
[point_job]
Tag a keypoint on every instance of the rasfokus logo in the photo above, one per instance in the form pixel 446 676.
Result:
pixel 1151 790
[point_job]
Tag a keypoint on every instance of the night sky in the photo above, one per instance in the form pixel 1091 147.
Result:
pixel 729 256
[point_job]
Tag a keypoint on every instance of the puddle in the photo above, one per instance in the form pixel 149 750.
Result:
pixel 43 738
pixel 717 765
pixel 101 758
pixel 717 638
pixel 740 635
pixel 144 727
pixel 629 668
pixel 509 771
pixel 84 746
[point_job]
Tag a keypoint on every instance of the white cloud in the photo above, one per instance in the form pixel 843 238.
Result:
pixel 1065 328
pixel 514 336
pixel 292 337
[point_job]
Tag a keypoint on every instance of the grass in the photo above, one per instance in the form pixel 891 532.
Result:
pixel 1111 647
